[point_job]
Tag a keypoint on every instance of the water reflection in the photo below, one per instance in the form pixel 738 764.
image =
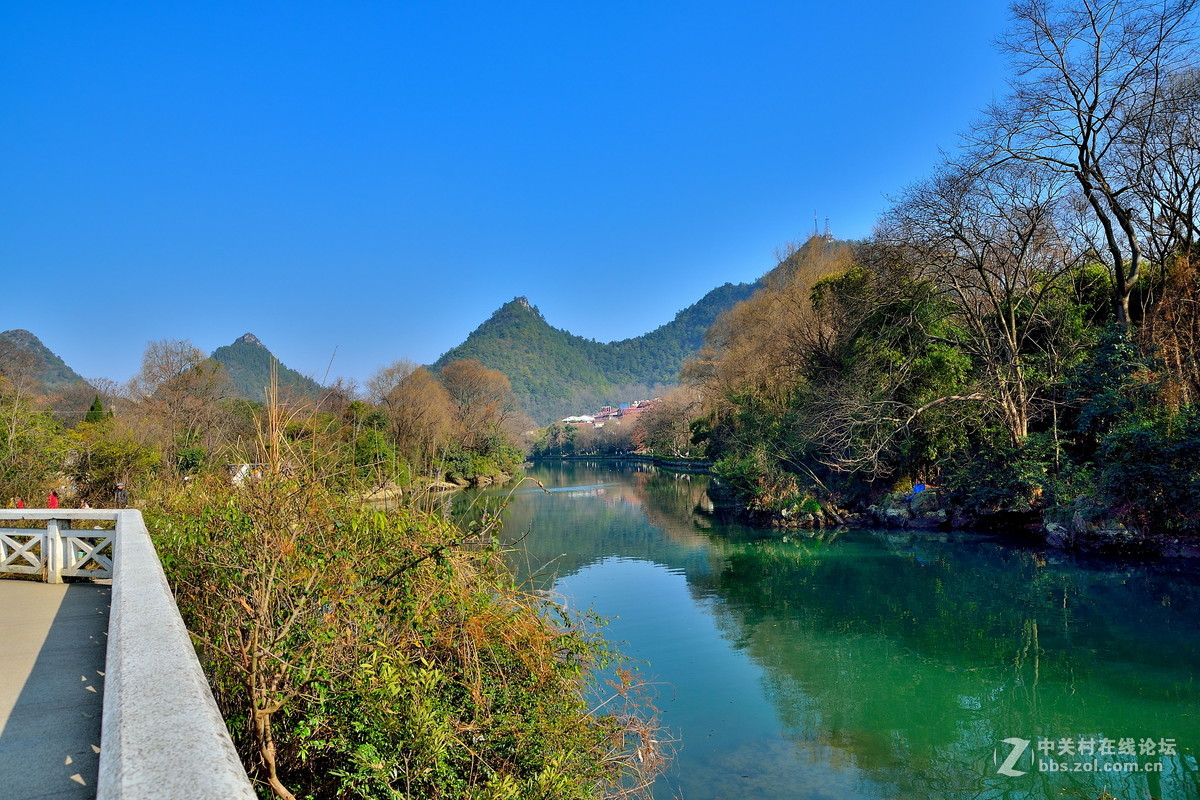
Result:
pixel 872 664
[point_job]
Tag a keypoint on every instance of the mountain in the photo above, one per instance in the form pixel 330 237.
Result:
pixel 23 354
pixel 555 373
pixel 248 363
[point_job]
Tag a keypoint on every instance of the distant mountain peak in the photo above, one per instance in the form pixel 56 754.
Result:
pixel 554 372
pixel 22 335
pixel 521 304
pixel 23 351
pixel 248 363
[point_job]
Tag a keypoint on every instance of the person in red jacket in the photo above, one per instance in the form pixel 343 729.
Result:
pixel 52 500
pixel 20 503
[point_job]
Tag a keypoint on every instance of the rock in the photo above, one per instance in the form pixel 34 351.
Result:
pixel 923 502
pixel 1057 535
pixel 961 520
pixel 930 521
pixel 896 517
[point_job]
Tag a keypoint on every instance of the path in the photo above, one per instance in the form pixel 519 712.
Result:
pixel 52 649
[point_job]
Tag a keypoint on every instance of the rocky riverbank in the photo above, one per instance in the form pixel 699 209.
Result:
pixel 1081 527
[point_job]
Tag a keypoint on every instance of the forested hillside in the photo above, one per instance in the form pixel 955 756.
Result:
pixel 1021 330
pixel 555 373
pixel 22 352
pixel 248 364
pixel 34 372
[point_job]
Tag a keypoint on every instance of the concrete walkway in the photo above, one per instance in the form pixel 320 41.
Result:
pixel 52 648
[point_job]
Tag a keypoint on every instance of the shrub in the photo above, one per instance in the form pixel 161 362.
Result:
pixel 358 653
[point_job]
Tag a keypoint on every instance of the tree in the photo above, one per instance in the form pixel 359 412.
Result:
pixel 31 452
pixel 385 380
pixel 1085 71
pixel 181 392
pixel 95 413
pixel 105 452
pixel 987 240
pixel 665 427
pixel 482 402
pixel 418 410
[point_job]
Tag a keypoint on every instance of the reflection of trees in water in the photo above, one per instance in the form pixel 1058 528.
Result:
pixel 907 655
pixel 919 660
pixel 585 513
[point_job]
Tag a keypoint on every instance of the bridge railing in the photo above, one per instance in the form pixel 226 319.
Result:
pixel 161 732
pixel 58 550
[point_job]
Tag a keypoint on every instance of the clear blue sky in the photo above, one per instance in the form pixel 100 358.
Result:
pixel 376 178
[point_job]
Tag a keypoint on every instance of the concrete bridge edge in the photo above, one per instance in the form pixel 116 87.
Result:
pixel 162 734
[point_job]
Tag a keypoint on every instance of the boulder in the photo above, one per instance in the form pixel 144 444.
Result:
pixel 930 521
pixel 923 502
pixel 1058 536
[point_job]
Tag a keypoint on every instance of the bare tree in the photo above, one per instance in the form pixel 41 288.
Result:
pixel 385 380
pixel 665 427
pixel 418 409
pixel 1163 165
pixel 481 399
pixel 1084 72
pixel 179 390
pixel 988 242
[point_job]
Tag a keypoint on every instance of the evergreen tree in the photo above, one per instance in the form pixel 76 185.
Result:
pixel 96 412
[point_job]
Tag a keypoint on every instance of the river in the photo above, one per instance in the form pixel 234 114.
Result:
pixel 873 664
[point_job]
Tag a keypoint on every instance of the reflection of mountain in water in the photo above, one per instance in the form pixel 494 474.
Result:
pixel 909 655
pixel 583 516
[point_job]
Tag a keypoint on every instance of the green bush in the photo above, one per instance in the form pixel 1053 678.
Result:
pixel 1151 471
pixel 357 653
pixel 996 475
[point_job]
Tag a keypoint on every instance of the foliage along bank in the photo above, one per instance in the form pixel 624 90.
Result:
pixel 362 653
pixel 1019 333
pixel 354 652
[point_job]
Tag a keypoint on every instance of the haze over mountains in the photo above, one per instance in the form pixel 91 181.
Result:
pixel 23 353
pixel 553 372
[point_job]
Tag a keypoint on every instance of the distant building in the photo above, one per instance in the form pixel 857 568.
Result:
pixel 610 414
pixel 635 408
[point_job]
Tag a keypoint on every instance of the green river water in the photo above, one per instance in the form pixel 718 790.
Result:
pixel 869 664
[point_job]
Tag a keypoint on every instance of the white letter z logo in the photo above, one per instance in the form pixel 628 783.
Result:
pixel 1019 746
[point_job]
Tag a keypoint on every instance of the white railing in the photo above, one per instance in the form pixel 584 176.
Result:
pixel 57 550
pixel 161 732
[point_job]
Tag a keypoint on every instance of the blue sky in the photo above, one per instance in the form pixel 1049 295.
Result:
pixel 364 181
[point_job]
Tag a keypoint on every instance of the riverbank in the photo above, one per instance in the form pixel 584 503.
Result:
pixel 695 466
pixel 392 492
pixel 1081 527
